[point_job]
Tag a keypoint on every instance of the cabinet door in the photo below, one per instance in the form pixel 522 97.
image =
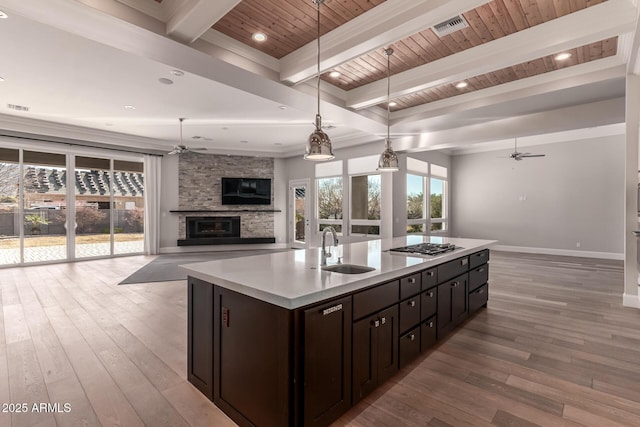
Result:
pixel 200 336
pixel 388 343
pixel 459 299
pixel 365 356
pixel 452 304
pixel 327 362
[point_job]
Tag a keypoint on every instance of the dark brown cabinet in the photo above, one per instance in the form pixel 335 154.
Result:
pixel 200 335
pixel 452 304
pixel 327 362
pixel 409 346
pixel 375 351
pixel 428 334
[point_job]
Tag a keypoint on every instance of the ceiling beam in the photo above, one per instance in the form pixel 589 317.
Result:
pixel 378 27
pixel 568 32
pixel 192 20
pixel 578 75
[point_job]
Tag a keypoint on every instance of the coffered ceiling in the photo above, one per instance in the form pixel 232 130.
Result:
pixel 262 93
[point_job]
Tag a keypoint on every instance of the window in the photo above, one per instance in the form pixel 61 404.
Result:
pixel 329 191
pixel 365 204
pixel 426 214
pixel 330 203
pixel 365 193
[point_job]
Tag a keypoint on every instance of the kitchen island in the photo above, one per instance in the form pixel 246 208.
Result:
pixel 275 340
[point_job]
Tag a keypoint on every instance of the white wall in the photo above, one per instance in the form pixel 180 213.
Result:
pixel 573 195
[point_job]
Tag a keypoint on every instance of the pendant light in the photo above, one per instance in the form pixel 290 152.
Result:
pixel 388 161
pixel 319 145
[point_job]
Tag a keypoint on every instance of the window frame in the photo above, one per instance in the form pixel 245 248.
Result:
pixel 364 222
pixel 331 222
pixel 427 221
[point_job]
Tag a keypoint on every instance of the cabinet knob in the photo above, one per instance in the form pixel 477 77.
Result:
pixel 431 324
pixel 430 294
pixel 412 280
pixel 464 261
pixel 412 303
pixel 376 323
pixel 481 291
pixel 412 337
pixel 383 320
pixel 480 270
pixel 430 273
pixel 455 284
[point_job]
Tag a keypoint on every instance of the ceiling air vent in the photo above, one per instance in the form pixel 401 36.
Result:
pixel 450 26
pixel 17 107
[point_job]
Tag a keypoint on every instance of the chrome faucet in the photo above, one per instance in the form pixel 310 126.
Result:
pixel 326 254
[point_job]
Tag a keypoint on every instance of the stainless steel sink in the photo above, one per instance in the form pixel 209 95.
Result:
pixel 348 268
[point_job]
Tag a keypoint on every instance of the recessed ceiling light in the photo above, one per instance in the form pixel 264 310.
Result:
pixel 3 15
pixel 393 104
pixel 177 73
pixel 462 85
pixel 334 74
pixel 562 56
pixel 129 107
pixel 259 37
pixel 283 107
pixel 244 142
pixel 165 81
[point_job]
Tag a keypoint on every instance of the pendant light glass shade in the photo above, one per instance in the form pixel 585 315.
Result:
pixel 319 145
pixel 388 161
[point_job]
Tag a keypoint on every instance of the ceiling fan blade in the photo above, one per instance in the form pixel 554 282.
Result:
pixel 197 149
pixel 533 155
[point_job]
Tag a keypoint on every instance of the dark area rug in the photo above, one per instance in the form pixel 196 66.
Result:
pixel 165 267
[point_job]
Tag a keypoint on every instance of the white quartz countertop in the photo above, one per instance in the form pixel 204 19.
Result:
pixel 294 279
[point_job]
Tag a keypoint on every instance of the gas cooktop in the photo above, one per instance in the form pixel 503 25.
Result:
pixel 426 249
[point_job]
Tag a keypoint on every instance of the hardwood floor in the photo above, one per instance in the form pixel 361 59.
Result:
pixel 554 347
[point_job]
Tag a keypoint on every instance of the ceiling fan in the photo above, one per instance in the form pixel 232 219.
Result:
pixel 519 156
pixel 181 148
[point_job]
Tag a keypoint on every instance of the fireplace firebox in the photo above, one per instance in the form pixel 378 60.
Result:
pixel 212 227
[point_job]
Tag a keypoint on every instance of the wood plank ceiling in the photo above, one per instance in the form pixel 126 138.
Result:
pixel 291 24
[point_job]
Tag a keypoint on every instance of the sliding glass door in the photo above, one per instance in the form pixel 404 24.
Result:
pixel 44 206
pixel 9 206
pixel 62 206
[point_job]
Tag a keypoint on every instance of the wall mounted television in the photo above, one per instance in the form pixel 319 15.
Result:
pixel 246 191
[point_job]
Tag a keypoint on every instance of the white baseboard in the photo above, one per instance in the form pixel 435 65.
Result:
pixel 221 248
pixel 631 300
pixel 564 252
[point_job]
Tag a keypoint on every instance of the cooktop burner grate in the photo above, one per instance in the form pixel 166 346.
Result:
pixel 427 248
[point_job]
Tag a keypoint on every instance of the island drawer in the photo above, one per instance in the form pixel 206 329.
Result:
pixel 409 286
pixel 409 313
pixel 409 346
pixel 452 269
pixel 478 276
pixel 429 278
pixel 478 258
pixel 428 335
pixel 478 298
pixel 375 299
pixel 429 303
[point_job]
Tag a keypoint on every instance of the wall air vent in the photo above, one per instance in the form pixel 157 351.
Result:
pixel 17 107
pixel 450 26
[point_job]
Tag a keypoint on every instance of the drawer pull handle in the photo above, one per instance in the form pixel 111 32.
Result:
pixel 455 284
pixel 376 323
pixel 430 294
pixel 481 291
pixel 412 280
pixel 431 324
pixel 480 270
pixel 430 273
pixel 412 303
pixel 481 254
pixel 412 337
pixel 464 261
pixel 383 320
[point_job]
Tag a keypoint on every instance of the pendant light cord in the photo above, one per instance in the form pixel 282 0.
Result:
pixel 388 52
pixel 318 2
